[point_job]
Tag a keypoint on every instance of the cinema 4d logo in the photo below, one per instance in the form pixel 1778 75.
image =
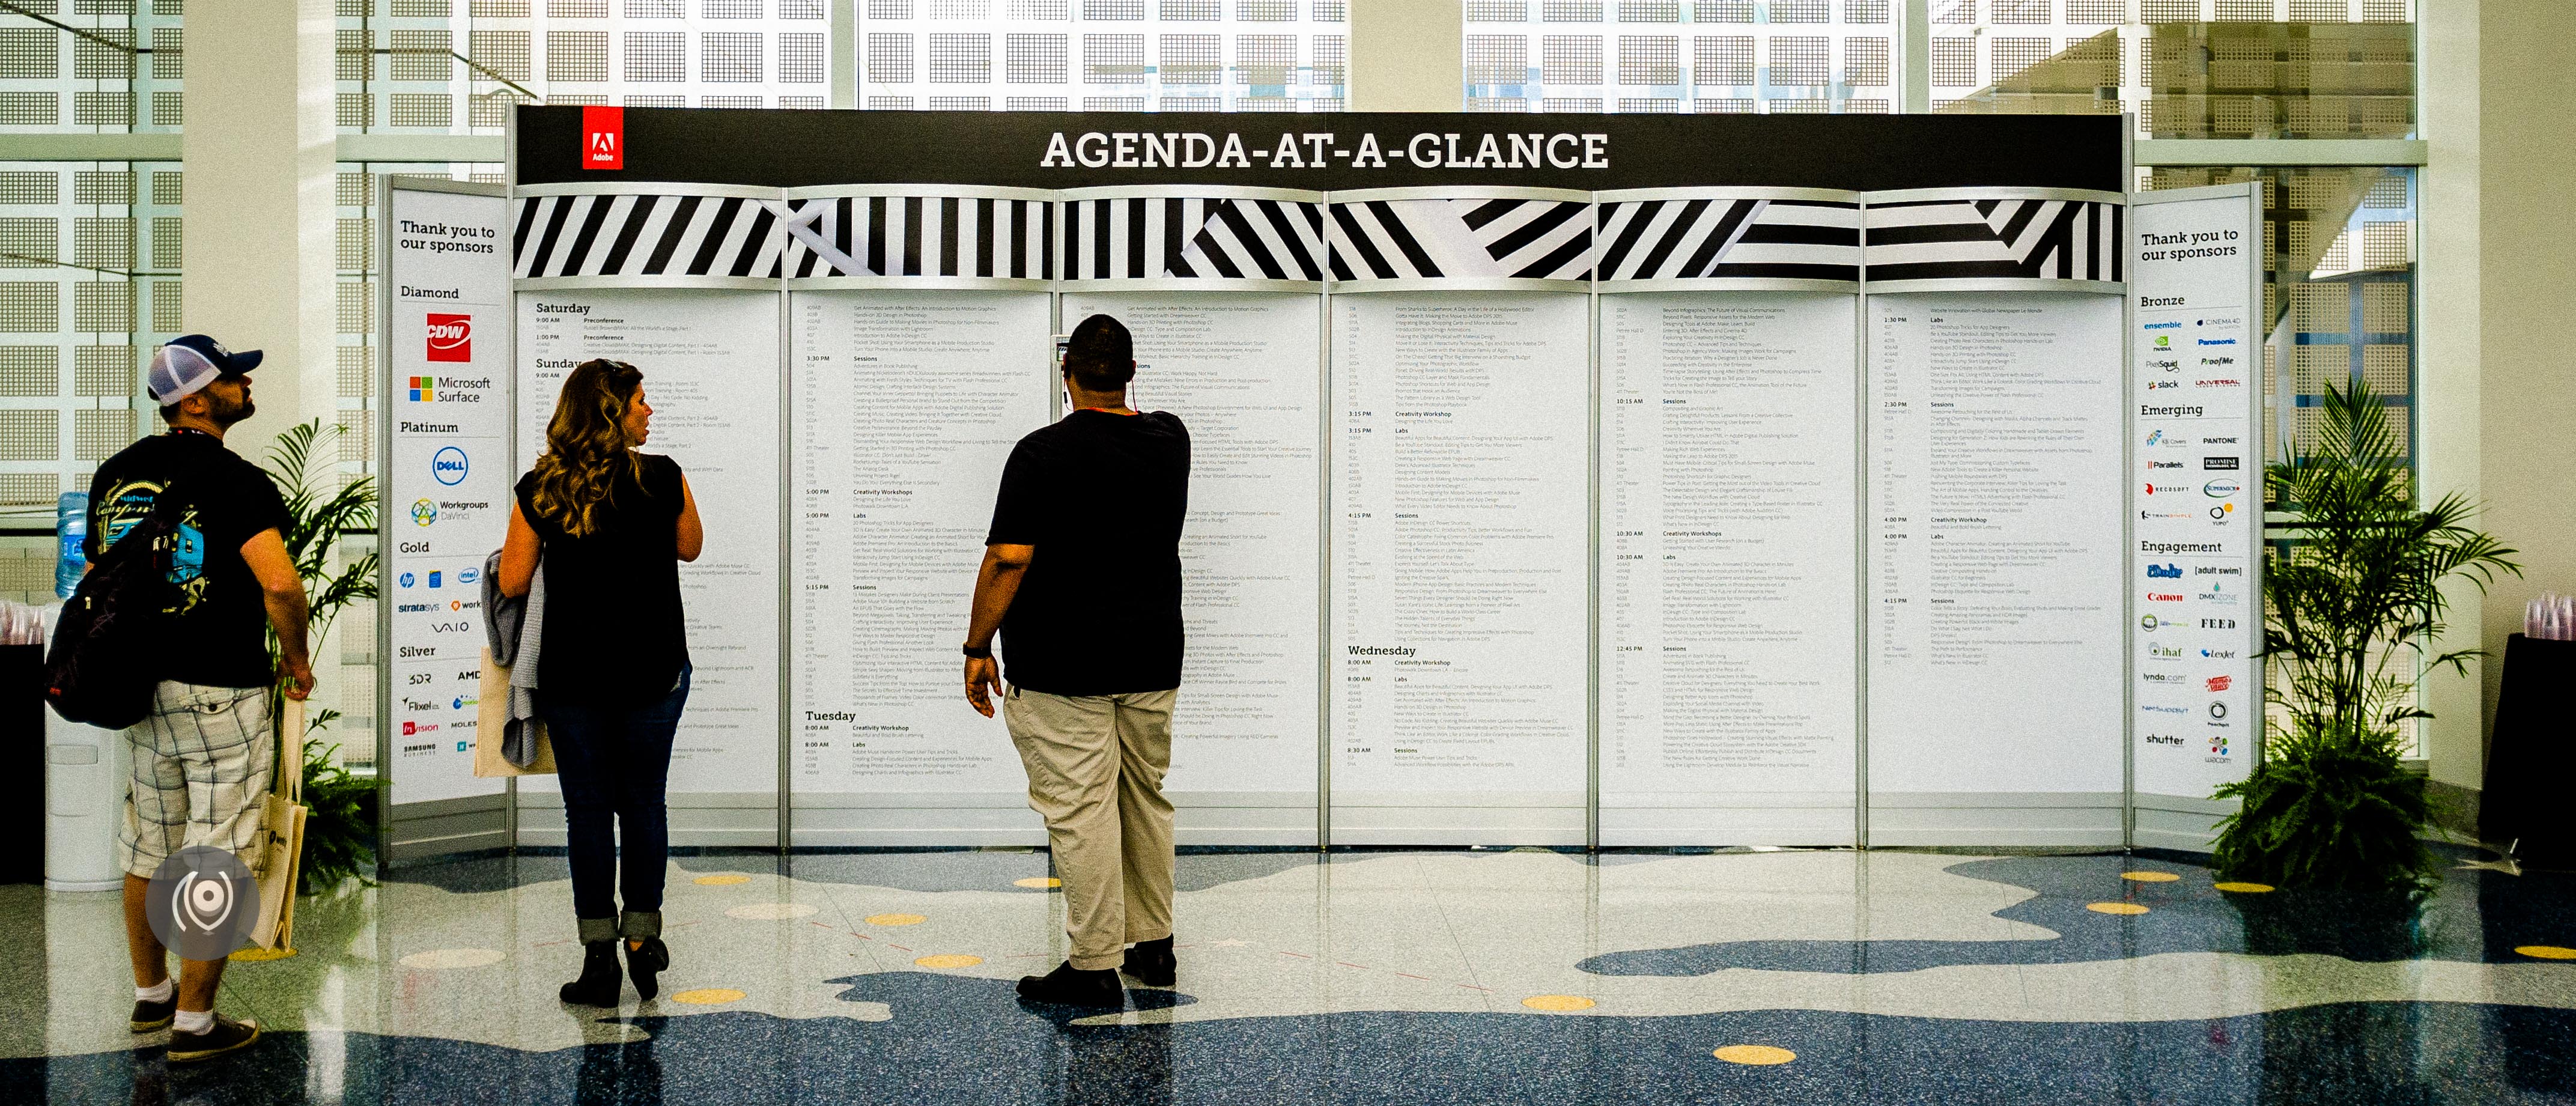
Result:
pixel 451 338
pixel 603 138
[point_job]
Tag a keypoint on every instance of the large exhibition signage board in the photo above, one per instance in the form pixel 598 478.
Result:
pixel 1222 289
pixel 2197 695
pixel 1996 565
pixel 919 324
pixel 1461 516
pixel 1729 369
pixel 699 315
pixel 445 484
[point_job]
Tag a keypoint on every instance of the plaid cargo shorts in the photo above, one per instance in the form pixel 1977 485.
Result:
pixel 201 765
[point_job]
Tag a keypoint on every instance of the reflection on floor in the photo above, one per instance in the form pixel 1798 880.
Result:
pixel 1429 977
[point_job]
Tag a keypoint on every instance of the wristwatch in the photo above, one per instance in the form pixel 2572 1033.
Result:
pixel 981 653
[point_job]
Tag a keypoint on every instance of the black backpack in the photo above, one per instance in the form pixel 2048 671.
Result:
pixel 101 668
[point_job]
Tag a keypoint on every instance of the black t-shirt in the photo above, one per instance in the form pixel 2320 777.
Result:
pixel 1099 610
pixel 613 629
pixel 217 630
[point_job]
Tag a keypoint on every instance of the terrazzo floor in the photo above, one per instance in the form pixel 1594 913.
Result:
pixel 1361 977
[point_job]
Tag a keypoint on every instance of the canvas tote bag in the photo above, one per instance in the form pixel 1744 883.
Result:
pixel 490 719
pixel 280 843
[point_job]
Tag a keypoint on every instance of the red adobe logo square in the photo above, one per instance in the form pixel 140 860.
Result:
pixel 451 337
pixel 603 137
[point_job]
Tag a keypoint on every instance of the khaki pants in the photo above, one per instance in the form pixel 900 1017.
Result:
pixel 1096 765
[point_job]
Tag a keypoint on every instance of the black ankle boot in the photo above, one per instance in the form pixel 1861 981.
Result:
pixel 1071 986
pixel 598 983
pixel 1152 963
pixel 644 960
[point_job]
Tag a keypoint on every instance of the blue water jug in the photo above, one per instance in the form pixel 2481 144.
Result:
pixel 71 526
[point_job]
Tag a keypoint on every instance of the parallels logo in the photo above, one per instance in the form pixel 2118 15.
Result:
pixel 603 138
pixel 451 338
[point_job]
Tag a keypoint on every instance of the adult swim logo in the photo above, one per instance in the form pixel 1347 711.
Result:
pixel 451 338
pixel 449 466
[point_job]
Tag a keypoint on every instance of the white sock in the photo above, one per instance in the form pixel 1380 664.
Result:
pixel 158 992
pixel 193 1021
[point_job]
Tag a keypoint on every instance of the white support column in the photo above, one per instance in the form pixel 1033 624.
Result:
pixel 845 53
pixel 260 253
pixel 2447 366
pixel 1408 55
pixel 1916 41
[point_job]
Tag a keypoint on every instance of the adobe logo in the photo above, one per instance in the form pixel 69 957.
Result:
pixel 603 137
pixel 451 338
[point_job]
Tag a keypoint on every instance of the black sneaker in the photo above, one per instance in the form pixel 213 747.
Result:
pixel 1071 986
pixel 153 1017
pixel 1152 963
pixel 227 1036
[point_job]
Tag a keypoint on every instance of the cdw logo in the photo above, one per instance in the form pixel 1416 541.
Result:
pixel 451 337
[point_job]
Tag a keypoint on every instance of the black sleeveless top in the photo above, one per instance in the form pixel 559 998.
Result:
pixel 614 631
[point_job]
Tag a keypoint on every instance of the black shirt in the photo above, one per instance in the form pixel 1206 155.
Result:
pixel 1099 610
pixel 216 633
pixel 613 626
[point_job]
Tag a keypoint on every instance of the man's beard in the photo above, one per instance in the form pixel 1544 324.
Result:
pixel 225 412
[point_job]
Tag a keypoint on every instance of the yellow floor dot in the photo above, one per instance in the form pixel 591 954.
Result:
pixel 437 960
pixel 772 911
pixel 726 880
pixel 895 919
pixel 708 996
pixel 2547 952
pixel 254 954
pixel 1557 1003
pixel 2150 877
pixel 1755 1055
pixel 949 960
pixel 2243 888
pixel 1038 882
pixel 2116 908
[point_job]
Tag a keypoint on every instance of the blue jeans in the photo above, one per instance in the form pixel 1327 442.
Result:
pixel 614 761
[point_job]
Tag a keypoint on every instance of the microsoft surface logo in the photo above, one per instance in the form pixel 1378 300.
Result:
pixel 420 388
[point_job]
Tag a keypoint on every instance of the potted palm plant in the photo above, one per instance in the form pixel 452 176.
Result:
pixel 2353 603
pixel 340 828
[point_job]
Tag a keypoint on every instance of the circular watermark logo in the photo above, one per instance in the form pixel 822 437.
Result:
pixel 202 903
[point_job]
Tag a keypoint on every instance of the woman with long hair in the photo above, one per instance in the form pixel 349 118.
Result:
pixel 609 525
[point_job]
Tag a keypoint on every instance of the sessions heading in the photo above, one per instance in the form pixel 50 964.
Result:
pixel 1319 149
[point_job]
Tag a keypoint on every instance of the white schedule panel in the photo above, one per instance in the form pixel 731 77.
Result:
pixel 2198 487
pixel 1244 372
pixel 1460 556
pixel 1729 708
pixel 1996 571
pixel 907 403
pixel 710 364
pixel 447 479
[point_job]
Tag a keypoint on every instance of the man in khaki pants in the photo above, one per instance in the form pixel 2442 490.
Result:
pixel 1082 577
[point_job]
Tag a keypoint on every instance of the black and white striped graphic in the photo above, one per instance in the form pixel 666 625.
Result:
pixel 1712 239
pixel 1967 239
pixel 1400 239
pixel 921 236
pixel 633 236
pixel 1186 238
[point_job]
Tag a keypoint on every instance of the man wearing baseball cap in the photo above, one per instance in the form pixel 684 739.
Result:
pixel 202 759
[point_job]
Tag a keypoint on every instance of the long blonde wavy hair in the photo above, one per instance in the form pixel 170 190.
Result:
pixel 586 445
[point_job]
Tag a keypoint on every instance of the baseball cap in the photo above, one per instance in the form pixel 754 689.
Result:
pixel 190 362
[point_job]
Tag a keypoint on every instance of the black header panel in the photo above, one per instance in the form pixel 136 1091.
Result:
pixel 1345 150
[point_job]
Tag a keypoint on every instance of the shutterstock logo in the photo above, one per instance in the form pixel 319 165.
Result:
pixel 603 138
pixel 451 337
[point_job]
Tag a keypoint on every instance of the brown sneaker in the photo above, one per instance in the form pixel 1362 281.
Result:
pixel 153 1017
pixel 227 1036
